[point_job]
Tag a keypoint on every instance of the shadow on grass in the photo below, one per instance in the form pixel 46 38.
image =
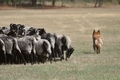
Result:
pixel 88 52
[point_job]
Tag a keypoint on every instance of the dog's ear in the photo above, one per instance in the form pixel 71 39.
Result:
pixel 98 31
pixel 93 32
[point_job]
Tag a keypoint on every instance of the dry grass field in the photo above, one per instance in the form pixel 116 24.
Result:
pixel 78 24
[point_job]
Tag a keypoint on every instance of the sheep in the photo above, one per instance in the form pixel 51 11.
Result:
pixel 33 42
pixel 4 30
pixel 42 46
pixel 11 45
pixel 58 46
pixel 50 37
pixel 2 52
pixel 26 43
pixel 18 30
pixel 63 43
pixel 23 30
pixel 67 46
pixel 27 46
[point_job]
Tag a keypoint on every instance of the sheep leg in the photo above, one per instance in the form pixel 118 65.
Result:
pixel 53 52
pixel 31 56
pixel 22 57
pixel 5 59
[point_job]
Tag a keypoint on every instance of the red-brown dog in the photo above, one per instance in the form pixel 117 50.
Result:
pixel 97 41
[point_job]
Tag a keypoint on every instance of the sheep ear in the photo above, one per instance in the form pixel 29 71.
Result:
pixel 43 29
pixel 38 29
pixel 3 27
pixel 11 24
pixel 23 26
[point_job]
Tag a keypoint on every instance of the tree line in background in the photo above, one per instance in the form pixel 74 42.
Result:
pixel 53 2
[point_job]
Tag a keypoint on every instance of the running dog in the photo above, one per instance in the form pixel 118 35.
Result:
pixel 97 41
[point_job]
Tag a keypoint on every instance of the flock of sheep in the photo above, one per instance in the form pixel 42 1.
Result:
pixel 21 44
